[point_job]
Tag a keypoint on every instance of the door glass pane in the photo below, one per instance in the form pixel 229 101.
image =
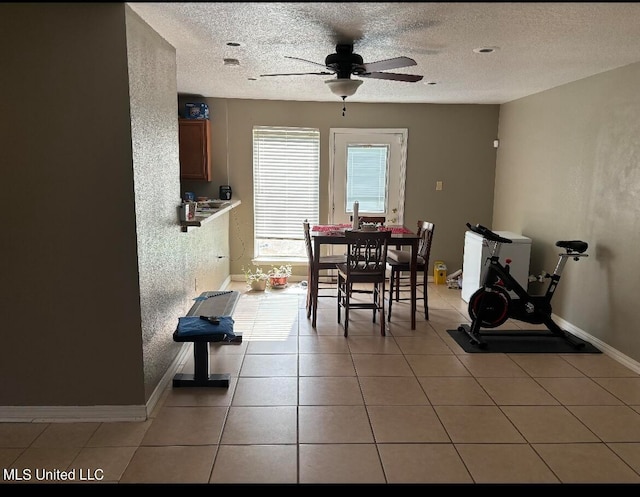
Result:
pixel 367 173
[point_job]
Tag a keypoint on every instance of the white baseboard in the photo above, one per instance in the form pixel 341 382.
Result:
pixel 605 348
pixel 180 359
pixel 225 283
pixel 96 414
pixel 71 414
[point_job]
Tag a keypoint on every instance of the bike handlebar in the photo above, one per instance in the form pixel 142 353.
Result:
pixel 572 247
pixel 488 234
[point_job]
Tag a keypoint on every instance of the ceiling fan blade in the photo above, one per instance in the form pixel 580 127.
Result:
pixel 305 60
pixel 323 73
pixel 409 78
pixel 385 65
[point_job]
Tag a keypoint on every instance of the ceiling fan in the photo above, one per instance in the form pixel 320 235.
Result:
pixel 345 63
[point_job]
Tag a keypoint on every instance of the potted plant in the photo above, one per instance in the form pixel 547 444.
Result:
pixel 279 276
pixel 256 278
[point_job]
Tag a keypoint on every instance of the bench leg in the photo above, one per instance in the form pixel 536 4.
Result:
pixel 201 376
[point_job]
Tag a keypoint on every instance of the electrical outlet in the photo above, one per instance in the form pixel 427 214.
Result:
pixel 438 185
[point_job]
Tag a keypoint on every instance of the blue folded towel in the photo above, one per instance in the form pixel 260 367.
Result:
pixel 194 326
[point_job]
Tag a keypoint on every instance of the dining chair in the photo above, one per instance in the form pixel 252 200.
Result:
pixel 399 262
pixel 325 263
pixel 365 264
pixel 371 219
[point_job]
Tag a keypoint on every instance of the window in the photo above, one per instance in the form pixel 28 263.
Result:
pixel 367 172
pixel 286 173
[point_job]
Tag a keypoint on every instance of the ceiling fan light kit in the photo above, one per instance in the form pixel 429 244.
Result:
pixel 343 87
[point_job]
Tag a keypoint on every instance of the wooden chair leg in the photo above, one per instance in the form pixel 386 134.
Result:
pixel 425 296
pixel 391 292
pixel 309 293
pixel 340 296
pixel 381 309
pixel 347 294
pixel 375 301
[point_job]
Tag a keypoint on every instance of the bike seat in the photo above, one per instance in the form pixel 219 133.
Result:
pixel 573 245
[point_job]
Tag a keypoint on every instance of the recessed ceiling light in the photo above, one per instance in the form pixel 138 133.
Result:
pixel 485 49
pixel 231 62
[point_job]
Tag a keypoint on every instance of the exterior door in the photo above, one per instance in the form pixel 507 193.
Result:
pixel 367 165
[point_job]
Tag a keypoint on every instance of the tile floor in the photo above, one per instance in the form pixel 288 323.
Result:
pixel 310 406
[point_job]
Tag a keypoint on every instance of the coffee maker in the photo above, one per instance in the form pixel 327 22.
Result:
pixel 225 192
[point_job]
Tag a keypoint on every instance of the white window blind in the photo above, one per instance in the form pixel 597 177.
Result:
pixel 286 173
pixel 367 176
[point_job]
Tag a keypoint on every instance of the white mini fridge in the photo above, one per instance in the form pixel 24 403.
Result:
pixel 476 253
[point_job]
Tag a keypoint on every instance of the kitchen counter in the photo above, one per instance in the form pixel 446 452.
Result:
pixel 204 216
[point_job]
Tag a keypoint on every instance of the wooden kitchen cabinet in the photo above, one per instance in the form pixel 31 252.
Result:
pixel 195 149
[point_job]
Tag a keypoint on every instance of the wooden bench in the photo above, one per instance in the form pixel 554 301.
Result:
pixel 201 332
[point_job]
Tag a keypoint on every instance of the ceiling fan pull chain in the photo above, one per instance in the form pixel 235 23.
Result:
pixel 344 106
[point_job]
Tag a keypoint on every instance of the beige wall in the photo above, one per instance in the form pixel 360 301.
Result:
pixel 71 310
pixel 95 268
pixel 162 267
pixel 449 143
pixel 568 167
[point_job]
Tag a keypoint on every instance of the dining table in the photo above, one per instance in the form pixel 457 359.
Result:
pixel 334 234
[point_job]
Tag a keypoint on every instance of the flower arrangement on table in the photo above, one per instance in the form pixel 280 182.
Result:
pixel 279 276
pixel 255 277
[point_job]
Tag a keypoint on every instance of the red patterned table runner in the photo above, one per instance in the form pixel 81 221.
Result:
pixel 398 230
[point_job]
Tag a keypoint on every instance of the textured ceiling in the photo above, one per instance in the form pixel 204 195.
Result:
pixel 539 46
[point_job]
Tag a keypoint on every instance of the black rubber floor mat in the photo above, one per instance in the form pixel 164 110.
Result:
pixel 521 342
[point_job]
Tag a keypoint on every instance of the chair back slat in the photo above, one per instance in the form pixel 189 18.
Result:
pixel 367 251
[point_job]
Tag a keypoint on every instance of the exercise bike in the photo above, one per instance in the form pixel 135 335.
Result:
pixel 491 305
